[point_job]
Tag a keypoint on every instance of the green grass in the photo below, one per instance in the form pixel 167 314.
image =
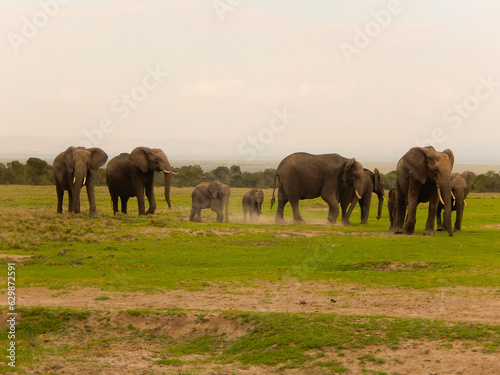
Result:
pixel 165 251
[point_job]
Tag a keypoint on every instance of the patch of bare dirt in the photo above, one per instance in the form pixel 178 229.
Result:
pixel 457 304
pixel 16 258
pixel 492 226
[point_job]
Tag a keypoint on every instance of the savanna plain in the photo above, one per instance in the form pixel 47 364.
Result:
pixel 161 295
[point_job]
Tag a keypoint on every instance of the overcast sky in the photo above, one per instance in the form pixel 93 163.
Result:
pixel 251 79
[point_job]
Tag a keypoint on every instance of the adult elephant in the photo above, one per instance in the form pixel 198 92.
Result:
pixel 306 176
pixel 372 183
pixel 461 185
pixel 73 169
pixel 214 195
pixel 252 203
pixel 423 175
pixel 130 175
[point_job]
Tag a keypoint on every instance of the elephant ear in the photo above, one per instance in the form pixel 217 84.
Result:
pixel 214 188
pixel 450 156
pixel 347 168
pixel 416 161
pixel 376 174
pixel 139 158
pixel 98 158
pixel 68 159
pixel 468 177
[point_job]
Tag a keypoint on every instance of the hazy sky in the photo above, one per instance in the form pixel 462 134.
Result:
pixel 243 79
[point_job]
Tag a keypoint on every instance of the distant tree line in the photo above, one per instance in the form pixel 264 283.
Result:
pixel 39 172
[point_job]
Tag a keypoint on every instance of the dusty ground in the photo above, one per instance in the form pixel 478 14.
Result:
pixel 451 304
pixel 455 304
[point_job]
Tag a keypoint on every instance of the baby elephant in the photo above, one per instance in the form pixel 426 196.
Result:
pixel 252 203
pixel 461 185
pixel 212 195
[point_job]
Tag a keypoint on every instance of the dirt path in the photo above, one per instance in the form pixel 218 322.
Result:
pixel 454 304
pixel 451 304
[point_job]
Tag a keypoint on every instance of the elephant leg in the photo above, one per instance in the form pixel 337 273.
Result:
pixel 399 211
pixel 114 202
pixel 195 215
pixel 439 222
pixel 124 202
pixel 429 225
pixel 411 218
pixel 60 197
pixel 365 209
pixel 91 197
pixel 282 201
pixel 151 199
pixel 343 208
pixel 333 207
pixel 70 200
pixel 297 217
pixel 217 206
pixel 458 219
pixel 392 213
pixel 141 204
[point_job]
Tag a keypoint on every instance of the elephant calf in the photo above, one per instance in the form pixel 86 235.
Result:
pixel 372 182
pixel 461 185
pixel 252 203
pixel 212 195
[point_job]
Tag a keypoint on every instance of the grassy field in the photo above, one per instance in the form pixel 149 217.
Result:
pixel 165 253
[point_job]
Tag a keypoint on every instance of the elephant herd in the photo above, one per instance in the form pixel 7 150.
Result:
pixel 423 175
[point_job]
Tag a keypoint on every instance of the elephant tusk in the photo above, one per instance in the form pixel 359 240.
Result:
pixel 465 203
pixel 357 194
pixel 172 172
pixel 84 180
pixel 453 196
pixel 74 179
pixel 440 196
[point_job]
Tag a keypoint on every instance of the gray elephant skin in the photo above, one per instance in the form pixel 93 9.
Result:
pixel 305 176
pixel 391 206
pixel 372 183
pixel 252 204
pixel 214 195
pixel 423 175
pixel 73 169
pixel 130 175
pixel 461 185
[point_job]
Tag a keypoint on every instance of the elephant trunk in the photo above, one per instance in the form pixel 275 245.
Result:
pixel 380 206
pixel 168 181
pixel 79 180
pixel 444 189
pixel 353 204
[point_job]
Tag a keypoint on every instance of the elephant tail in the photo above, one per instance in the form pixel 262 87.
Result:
pixel 273 199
